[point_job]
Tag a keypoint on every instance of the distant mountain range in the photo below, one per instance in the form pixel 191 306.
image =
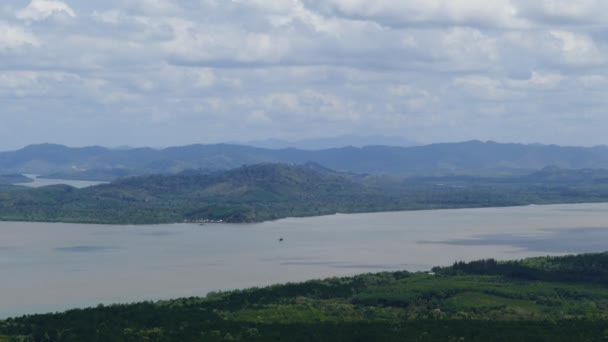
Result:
pixel 335 142
pixel 474 158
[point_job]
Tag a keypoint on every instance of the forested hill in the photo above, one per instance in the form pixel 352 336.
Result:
pixel 466 158
pixel 246 194
pixel 541 299
pixel 271 191
pixel 555 175
pixel 13 179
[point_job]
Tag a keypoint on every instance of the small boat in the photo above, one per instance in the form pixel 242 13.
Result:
pixel 280 239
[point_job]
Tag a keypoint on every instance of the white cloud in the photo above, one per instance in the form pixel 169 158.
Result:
pixel 42 9
pixel 548 12
pixel 484 87
pixel 154 7
pixel 259 117
pixel 466 45
pixel 12 37
pixel 35 83
pixel 223 45
pixel 501 13
pixel 598 82
pixel 272 6
pixel 109 17
pixel 213 69
pixel 538 80
pixel 577 48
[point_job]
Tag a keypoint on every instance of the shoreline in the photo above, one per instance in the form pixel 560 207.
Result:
pixel 203 222
pixel 431 273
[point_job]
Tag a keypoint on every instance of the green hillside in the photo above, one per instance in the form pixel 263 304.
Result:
pixel 541 299
pixel 248 194
pixel 13 179
pixel 271 191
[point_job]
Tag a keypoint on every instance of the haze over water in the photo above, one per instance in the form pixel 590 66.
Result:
pixel 53 266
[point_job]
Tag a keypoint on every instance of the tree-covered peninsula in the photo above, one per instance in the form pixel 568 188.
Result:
pixel 271 191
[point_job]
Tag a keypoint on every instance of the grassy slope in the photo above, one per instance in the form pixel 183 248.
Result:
pixel 531 300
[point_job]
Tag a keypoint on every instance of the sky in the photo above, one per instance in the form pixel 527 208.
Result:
pixel 168 72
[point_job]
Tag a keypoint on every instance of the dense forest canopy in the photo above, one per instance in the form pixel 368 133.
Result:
pixel 271 191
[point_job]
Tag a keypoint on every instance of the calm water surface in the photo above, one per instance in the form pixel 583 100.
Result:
pixel 40 182
pixel 49 267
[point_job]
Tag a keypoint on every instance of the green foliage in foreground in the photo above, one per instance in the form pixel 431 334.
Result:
pixel 272 191
pixel 542 299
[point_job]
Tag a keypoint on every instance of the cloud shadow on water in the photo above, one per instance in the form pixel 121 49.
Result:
pixel 160 233
pixel 575 240
pixel 85 249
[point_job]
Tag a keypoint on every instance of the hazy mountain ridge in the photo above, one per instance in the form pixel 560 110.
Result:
pixel 333 142
pixel 465 158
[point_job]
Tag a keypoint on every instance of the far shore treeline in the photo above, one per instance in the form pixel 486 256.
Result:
pixel 269 191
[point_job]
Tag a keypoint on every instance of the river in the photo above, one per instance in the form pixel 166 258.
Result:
pixel 53 266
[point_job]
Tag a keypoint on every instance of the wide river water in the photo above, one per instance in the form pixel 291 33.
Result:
pixel 53 266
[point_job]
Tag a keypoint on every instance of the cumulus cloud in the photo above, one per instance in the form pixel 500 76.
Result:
pixel 428 12
pixel 577 48
pixel 12 37
pixel 223 45
pixel 162 7
pixel 217 70
pixel 551 12
pixel 42 9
